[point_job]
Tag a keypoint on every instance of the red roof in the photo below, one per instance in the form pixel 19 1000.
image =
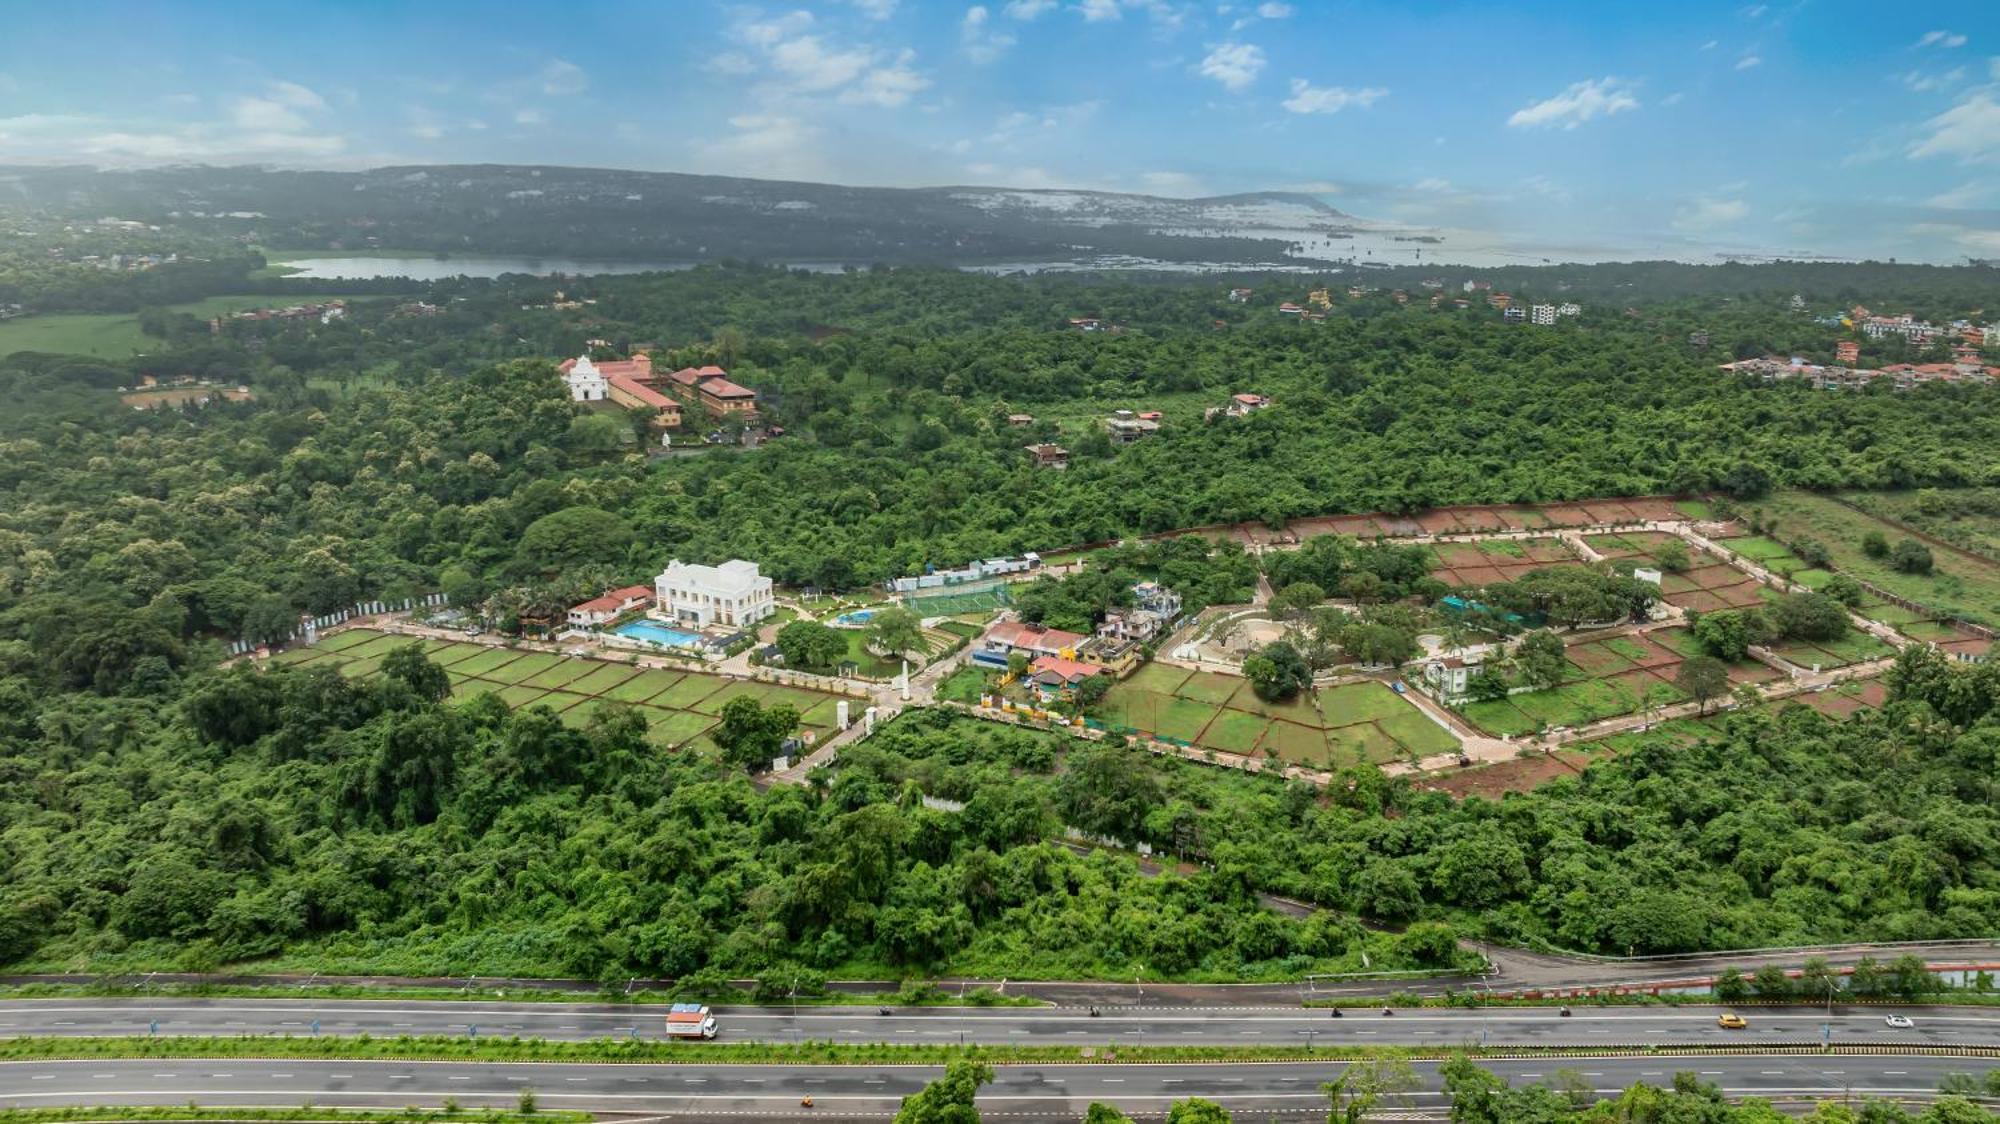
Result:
pixel 631 592
pixel 1249 399
pixel 719 387
pixel 615 600
pixel 1068 670
pixel 694 376
pixel 641 391
pixel 1020 634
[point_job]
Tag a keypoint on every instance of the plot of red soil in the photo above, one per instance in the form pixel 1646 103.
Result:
pixel 1546 551
pixel 1655 509
pixel 1971 646
pixel 1438 522
pixel 1479 575
pixel 1699 600
pixel 1713 575
pixel 1460 554
pixel 1518 775
pixel 1568 515
pixel 1609 511
pixel 1741 595
pixel 1752 673
pixel 1597 659
pixel 1657 655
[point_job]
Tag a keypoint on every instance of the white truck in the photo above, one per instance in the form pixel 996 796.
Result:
pixel 690 1020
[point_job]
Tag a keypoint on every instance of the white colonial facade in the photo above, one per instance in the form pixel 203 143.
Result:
pixel 586 382
pixel 731 595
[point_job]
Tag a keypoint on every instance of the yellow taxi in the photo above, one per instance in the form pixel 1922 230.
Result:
pixel 1730 1020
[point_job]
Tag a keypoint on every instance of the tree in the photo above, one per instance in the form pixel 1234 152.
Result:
pixel 1727 634
pixel 1911 557
pixel 1812 552
pixel 407 664
pixel 949 1099
pixel 1379 644
pixel 751 735
pixel 1844 589
pixel 1809 616
pixel 1294 601
pixel 1704 677
pixel 1731 987
pixel 1771 982
pixel 1091 691
pixel 1195 1110
pixel 1874 545
pixel 572 537
pixel 1277 671
pixel 1099 1113
pixel 896 631
pixel 811 646
pixel 1365 1086
pixel 1671 556
pixel 1542 660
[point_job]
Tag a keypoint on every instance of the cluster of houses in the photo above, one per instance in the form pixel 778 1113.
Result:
pixel 324 313
pixel 634 384
pixel 1965 337
pixel 1059 660
pixel 1901 376
pixel 984 570
pixel 713 601
pixel 1127 426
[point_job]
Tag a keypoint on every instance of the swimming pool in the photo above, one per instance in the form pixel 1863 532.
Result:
pixel 855 619
pixel 658 634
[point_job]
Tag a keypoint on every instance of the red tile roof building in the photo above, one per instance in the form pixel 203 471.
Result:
pixel 600 610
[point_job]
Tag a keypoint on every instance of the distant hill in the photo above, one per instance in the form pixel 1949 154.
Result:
pixel 606 213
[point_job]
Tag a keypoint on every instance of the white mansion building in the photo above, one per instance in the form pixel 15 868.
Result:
pixel 731 595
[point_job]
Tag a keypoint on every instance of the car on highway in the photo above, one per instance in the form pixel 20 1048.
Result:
pixel 1900 1022
pixel 1730 1020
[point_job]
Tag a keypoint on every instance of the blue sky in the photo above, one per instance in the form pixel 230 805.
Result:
pixel 1813 125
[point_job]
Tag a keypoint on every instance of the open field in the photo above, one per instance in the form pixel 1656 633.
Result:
pixel 1964 517
pixel 1962 584
pixel 1475 519
pixel 1607 678
pixel 952 604
pixel 116 335
pixel 679 706
pixel 1331 728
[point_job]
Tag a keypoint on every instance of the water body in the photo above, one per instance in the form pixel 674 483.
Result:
pixel 443 269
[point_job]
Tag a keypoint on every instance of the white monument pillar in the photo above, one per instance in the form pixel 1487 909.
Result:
pixel 840 714
pixel 903 683
pixel 868 721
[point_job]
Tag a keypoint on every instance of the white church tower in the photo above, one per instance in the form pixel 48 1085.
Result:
pixel 586 382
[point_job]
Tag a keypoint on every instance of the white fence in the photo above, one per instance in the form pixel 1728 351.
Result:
pixel 360 609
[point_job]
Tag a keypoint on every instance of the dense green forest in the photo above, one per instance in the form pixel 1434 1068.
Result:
pixel 368 827
pixel 155 811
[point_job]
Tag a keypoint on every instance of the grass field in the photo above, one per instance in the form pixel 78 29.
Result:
pixel 952 604
pixel 116 335
pixel 1330 728
pixel 1960 585
pixel 679 706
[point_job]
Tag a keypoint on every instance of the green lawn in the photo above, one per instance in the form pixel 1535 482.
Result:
pixel 116 335
pixel 1209 687
pixel 519 670
pixel 1960 584
pixel 644 685
pixel 1416 731
pixel 1360 702
pixel 1234 731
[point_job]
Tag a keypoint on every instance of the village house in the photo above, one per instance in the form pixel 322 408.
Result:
pixel 603 610
pixel 1154 609
pixel 1055 675
pixel 1451 677
pixel 1847 351
pixel 1020 419
pixel 1125 427
pixel 1031 640
pixel 1048 456
pixel 731 595
pixel 1239 296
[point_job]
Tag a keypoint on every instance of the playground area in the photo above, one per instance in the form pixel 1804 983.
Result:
pixel 680 706
pixel 958 602
pixel 1330 728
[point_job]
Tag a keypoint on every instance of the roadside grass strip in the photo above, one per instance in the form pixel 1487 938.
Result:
pixel 193 1112
pixel 649 1052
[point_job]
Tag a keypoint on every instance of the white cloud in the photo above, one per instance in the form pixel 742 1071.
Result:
pixel 876 9
pixel 529 117
pixel 1274 11
pixel 1969 130
pixel 1673 98
pixel 427 132
pixel 1172 183
pixel 1027 9
pixel 1098 11
pixel 1946 39
pixel 1709 214
pixel 265 114
pixel 1748 61
pixel 1235 65
pixel 771 146
pixel 1711 44
pixel 1308 98
pixel 731 62
pixel 982 42
pixel 1963 197
pixel 813 66
pixel 1582 102
pixel 1754 11
pixel 1547 188
pixel 32 137
pixel 560 77
pixel 1920 82
pixel 887 86
pixel 296 96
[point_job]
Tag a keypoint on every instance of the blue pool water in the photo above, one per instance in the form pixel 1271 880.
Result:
pixel 658 634
pixel 854 619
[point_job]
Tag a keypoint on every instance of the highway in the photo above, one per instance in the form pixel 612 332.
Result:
pixel 1178 1026
pixel 704 1092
